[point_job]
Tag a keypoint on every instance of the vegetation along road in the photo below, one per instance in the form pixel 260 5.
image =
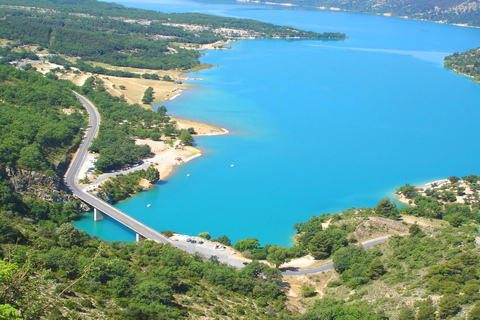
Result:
pixel 328 266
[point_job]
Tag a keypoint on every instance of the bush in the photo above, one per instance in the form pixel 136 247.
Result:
pixel 334 284
pixel 86 303
pixel 168 233
pixel 307 291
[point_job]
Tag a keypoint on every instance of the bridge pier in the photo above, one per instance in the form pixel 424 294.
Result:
pixel 97 215
pixel 139 237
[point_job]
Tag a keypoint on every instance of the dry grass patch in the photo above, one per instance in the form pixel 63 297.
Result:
pixel 296 301
pixel 135 88
pixel 424 221
pixel 4 42
pixel 377 227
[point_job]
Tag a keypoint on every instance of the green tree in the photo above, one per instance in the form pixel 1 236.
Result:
pixel 474 314
pixel 409 191
pixel 406 313
pixel 278 255
pixel 454 179
pixel 319 246
pixel 426 310
pixel 148 96
pixel 8 232
pixel 246 244
pixel 224 240
pixel 448 306
pixel 205 235
pixel 415 230
pixel 186 137
pixel 375 269
pixel 69 236
pixel 31 158
pixel 387 208
pixel 7 312
pixel 456 220
pixel 449 196
pixel 162 110
pixel 346 257
pixel 152 174
pixel 473 178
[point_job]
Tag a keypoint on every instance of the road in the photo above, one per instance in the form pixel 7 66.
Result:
pixel 207 249
pixel 328 266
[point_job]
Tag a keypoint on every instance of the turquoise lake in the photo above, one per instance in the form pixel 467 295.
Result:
pixel 316 126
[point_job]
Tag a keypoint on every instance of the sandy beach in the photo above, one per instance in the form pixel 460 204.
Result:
pixel 166 157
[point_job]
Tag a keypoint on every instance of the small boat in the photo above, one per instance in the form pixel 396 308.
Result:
pixel 231 165
pixel 148 205
pixel 188 175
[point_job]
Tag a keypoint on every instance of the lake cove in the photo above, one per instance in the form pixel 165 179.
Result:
pixel 315 126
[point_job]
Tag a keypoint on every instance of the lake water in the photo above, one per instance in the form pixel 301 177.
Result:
pixel 316 126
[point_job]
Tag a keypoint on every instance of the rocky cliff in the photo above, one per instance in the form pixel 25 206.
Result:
pixel 30 183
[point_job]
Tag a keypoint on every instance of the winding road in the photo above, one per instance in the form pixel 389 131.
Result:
pixel 328 266
pixel 207 249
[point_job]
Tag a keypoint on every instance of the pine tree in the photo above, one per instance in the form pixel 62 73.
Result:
pixel 320 246
pixel 387 209
pixel 426 311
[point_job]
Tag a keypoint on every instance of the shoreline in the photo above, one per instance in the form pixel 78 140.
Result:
pixel 166 157
pixel 336 9
pixel 437 184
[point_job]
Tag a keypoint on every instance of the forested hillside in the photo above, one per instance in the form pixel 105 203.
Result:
pixel 61 273
pixel 106 33
pixel 39 130
pixel 466 63
pixel 448 11
pixel 40 121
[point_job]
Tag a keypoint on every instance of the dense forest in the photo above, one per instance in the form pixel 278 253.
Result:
pixel 123 185
pixel 154 44
pixel 466 63
pixel 449 11
pixel 40 126
pixel 62 273
pixel 40 121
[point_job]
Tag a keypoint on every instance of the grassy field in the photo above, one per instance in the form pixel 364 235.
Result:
pixel 135 88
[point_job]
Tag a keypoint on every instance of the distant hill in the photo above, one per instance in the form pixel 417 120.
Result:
pixel 466 63
pixel 447 11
